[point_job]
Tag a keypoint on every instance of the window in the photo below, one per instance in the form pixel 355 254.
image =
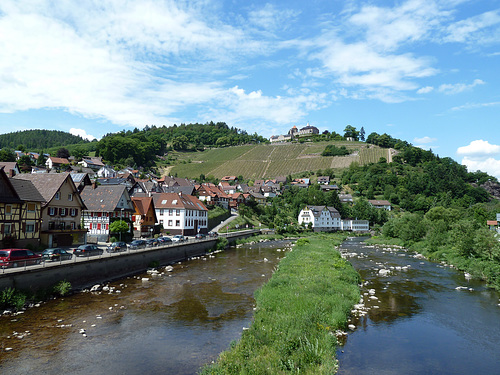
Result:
pixel 63 211
pixel 52 225
pixel 70 197
pixel 52 211
pixel 161 222
pixel 177 223
pixel 170 223
pixel 170 212
pixel 177 212
pixel 73 212
pixel 7 229
pixel 30 227
pixel 58 195
pixel 31 207
pixel 161 211
pixel 73 225
pixel 8 209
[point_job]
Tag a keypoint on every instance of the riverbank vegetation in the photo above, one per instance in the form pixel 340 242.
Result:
pixel 456 236
pixel 308 298
pixel 15 299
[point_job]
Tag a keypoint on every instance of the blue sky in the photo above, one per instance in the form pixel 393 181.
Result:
pixel 426 71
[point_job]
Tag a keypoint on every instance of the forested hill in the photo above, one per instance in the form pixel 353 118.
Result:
pixel 140 147
pixel 32 140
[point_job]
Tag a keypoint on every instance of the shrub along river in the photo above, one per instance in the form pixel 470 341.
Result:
pixel 419 317
pixel 413 319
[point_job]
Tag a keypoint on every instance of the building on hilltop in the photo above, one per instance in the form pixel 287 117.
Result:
pixel 294 133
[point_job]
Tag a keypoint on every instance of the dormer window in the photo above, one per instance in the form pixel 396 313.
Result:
pixel 70 197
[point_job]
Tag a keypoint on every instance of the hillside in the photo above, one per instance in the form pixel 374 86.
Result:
pixel 272 160
pixel 38 139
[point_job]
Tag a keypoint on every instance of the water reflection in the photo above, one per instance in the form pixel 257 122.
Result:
pixel 417 321
pixel 172 323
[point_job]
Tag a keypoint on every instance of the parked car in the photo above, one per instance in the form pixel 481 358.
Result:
pixel 200 236
pixel 178 238
pixel 152 242
pixel 165 240
pixel 116 247
pixel 213 234
pixel 87 251
pixel 137 244
pixel 18 258
pixel 56 254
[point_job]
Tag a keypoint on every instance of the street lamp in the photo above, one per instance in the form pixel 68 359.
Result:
pixel 121 215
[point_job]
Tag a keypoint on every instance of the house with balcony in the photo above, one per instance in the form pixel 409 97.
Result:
pixel 105 204
pixel 386 205
pixel 61 210
pixel 144 217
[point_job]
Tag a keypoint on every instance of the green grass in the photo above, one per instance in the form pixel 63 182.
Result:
pixel 308 297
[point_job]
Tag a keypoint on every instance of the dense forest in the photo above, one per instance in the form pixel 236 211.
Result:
pixel 30 140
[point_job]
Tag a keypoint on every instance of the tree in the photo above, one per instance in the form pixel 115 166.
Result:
pixel 362 134
pixel 63 153
pixel 351 132
pixel 119 226
pixel 6 154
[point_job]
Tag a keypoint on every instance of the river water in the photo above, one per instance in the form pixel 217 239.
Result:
pixel 417 321
pixel 170 324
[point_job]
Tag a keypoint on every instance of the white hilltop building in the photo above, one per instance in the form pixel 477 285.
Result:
pixel 294 133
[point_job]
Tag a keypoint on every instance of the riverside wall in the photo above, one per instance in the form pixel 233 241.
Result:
pixel 83 274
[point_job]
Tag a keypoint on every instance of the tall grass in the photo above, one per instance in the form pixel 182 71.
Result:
pixel 309 297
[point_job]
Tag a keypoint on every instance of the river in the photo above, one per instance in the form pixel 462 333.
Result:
pixel 172 323
pixel 421 317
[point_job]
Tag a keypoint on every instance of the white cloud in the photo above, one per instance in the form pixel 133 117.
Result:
pixel 476 29
pixel 479 148
pixel 459 87
pixel 82 133
pixel 424 140
pixel 119 61
pixel 425 90
pixel 270 18
pixel 490 166
pixel 475 105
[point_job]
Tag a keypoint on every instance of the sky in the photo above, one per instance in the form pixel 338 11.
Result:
pixel 425 71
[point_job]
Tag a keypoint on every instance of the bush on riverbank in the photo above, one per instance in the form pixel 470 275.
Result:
pixel 451 235
pixel 307 299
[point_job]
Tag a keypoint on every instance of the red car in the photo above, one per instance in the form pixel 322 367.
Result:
pixel 18 258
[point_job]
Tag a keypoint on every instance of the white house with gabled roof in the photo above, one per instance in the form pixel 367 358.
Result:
pixel 180 213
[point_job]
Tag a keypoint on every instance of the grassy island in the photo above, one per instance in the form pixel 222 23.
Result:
pixel 308 298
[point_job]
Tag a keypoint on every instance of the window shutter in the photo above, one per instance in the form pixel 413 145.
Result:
pixel 24 226
pixel 76 211
pixel 36 226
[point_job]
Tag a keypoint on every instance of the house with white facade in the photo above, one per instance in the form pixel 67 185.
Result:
pixel 321 218
pixel 105 204
pixel 327 219
pixel 180 214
